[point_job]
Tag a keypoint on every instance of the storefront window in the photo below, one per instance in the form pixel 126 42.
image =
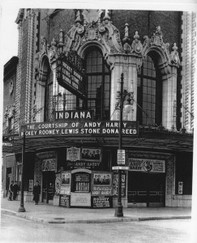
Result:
pixel 98 84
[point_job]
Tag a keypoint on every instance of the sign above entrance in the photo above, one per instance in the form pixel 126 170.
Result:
pixel 73 154
pixel 146 165
pixel 77 128
pixel 74 115
pixel 70 73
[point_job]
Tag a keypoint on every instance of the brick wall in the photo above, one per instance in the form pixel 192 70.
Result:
pixel 64 20
pixel 23 60
pixel 145 22
pixel 53 20
pixel 188 63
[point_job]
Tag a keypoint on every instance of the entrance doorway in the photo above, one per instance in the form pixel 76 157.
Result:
pixel 48 186
pixel 147 188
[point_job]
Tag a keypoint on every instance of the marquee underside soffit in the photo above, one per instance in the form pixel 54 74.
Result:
pixel 163 142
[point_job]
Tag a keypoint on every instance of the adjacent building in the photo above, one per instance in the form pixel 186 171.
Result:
pixel 9 172
pixel 67 100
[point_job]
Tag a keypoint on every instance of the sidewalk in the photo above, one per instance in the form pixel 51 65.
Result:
pixel 54 214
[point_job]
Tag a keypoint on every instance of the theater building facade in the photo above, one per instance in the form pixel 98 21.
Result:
pixel 70 68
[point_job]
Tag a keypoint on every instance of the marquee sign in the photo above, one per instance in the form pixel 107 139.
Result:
pixel 74 115
pixel 70 73
pixel 77 128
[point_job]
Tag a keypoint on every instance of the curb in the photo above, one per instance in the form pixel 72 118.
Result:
pixel 165 218
pixel 21 215
pixel 69 221
pixel 92 221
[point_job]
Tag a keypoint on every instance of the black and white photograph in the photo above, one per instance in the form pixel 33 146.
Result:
pixel 128 62
pixel 102 179
pixel 91 154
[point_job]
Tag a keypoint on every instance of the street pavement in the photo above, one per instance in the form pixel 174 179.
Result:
pixel 45 213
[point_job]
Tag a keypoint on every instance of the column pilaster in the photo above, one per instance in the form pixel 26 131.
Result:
pixel 128 65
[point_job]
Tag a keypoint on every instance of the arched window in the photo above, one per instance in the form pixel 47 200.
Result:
pixel 48 95
pixel 98 83
pixel 149 96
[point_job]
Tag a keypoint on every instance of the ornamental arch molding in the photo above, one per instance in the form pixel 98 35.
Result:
pixel 44 68
pixel 160 57
pixel 92 27
pixel 42 71
pixel 83 49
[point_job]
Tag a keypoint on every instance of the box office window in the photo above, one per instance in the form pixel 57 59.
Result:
pixel 184 174
pixel 81 182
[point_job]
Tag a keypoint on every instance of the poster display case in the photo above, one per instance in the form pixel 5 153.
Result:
pixel 64 188
pixel 101 202
pixel 65 183
pixel 116 182
pixel 64 201
pixel 101 190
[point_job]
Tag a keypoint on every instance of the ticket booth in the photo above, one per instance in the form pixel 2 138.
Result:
pixel 86 188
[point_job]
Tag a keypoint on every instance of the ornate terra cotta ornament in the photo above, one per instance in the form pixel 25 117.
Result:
pixel 95 26
pixel 92 15
pixel 126 40
pixel 175 60
pixel 137 45
pixel 156 41
pixel 156 44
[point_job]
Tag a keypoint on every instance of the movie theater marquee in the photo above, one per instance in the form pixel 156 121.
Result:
pixel 75 124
